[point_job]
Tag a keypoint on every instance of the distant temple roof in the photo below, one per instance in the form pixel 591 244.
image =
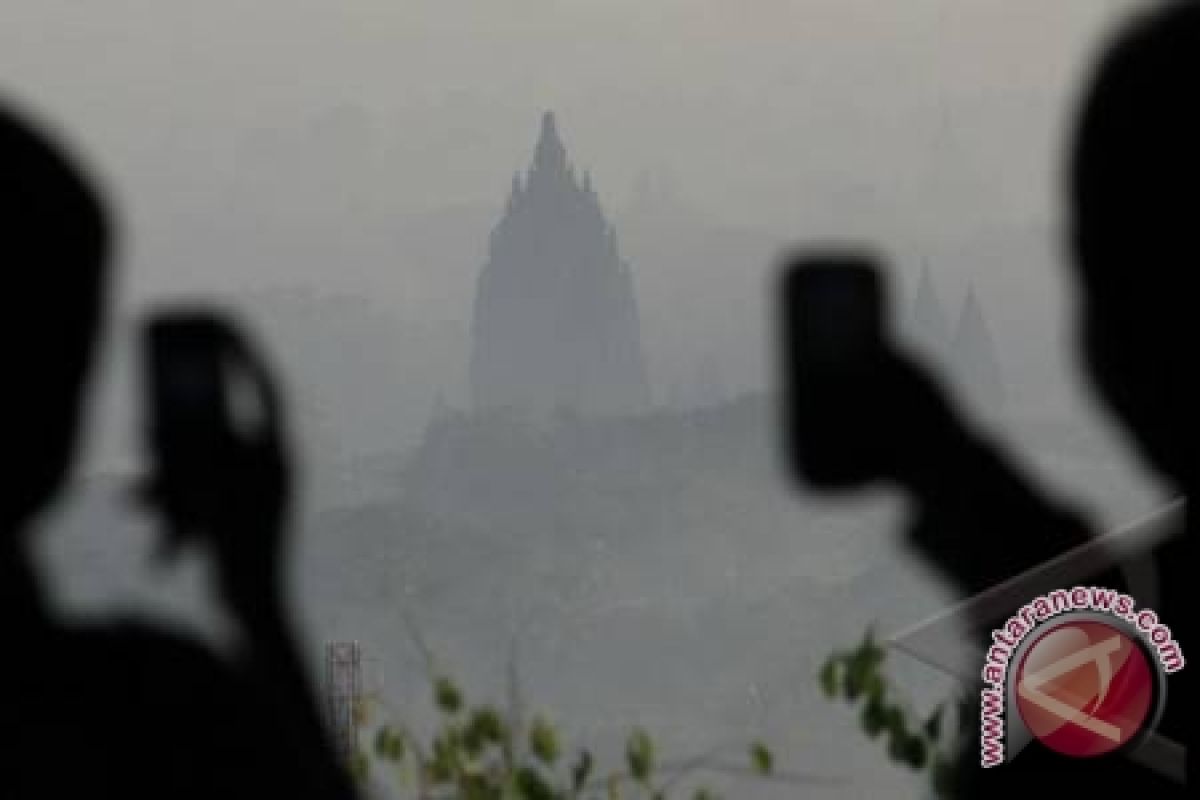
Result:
pixel 556 321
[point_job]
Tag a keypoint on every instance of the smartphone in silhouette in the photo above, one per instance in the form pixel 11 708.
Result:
pixel 833 334
pixel 833 310
pixel 186 375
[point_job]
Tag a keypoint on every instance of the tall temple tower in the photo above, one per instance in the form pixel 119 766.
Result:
pixel 556 320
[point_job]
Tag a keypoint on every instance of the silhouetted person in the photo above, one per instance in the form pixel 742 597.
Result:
pixel 123 711
pixel 861 411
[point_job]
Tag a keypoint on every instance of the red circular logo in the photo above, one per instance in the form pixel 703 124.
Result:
pixel 1084 688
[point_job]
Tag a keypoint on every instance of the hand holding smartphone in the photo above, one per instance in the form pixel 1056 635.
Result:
pixel 215 440
pixel 855 406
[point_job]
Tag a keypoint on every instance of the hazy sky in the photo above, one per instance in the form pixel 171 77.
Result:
pixel 900 120
pixel 756 104
pixel 259 145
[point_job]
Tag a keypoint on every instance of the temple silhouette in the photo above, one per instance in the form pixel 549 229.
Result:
pixel 556 322
pixel 966 349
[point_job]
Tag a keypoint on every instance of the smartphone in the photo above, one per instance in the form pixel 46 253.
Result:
pixel 833 312
pixel 833 309
pixel 185 372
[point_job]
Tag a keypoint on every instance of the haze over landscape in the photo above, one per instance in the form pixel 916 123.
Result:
pixel 335 172
pixel 298 150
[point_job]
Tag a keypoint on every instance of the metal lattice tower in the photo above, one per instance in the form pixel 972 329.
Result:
pixel 343 694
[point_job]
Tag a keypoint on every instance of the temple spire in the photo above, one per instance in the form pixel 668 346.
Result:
pixel 927 321
pixel 556 320
pixel 976 360
pixel 550 155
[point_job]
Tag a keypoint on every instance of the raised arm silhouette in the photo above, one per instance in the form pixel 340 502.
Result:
pixel 123 710
pixel 862 412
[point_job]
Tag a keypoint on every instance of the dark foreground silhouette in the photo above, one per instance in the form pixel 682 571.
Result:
pixel 861 412
pixel 124 711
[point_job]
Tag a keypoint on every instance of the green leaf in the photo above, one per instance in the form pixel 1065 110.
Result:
pixel 762 759
pixel 389 744
pixel 532 786
pixel 862 670
pixel 871 651
pixel 855 681
pixel 873 718
pixel 543 741
pixel 908 750
pixel 484 727
pixel 916 753
pixel 447 695
pixel 893 721
pixel 442 767
pixel 639 755
pixel 487 724
pixel 875 688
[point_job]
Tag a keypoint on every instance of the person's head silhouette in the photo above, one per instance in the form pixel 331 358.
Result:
pixel 1135 189
pixel 53 247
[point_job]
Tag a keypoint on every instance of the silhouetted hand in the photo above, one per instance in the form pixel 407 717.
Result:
pixel 222 473
pixel 881 420
pixel 859 409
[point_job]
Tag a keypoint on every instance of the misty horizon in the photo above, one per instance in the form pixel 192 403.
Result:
pixel 338 175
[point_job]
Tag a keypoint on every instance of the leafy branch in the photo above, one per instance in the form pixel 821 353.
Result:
pixel 478 753
pixel 923 744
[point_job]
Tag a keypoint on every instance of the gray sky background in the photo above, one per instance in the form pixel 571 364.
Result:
pixel 345 128
pixel 758 105
pixel 333 166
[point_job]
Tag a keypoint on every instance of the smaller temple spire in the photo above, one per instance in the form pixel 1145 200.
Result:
pixel 550 155
pixel 976 360
pixel 927 321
